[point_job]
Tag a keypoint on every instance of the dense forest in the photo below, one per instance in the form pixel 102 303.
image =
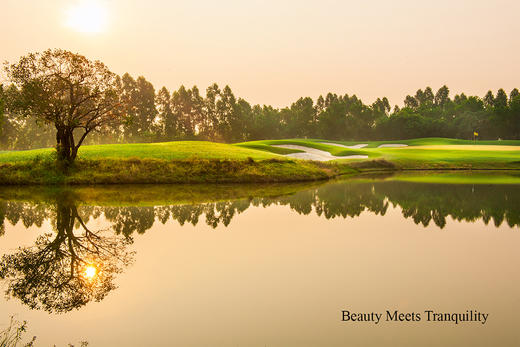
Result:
pixel 152 115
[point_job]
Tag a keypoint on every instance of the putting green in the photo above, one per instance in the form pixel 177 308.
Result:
pixel 468 147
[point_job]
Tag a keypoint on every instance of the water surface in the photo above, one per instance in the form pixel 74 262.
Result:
pixel 262 265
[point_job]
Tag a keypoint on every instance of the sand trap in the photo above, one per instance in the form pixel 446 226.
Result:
pixel 316 154
pixel 361 145
pixel 392 145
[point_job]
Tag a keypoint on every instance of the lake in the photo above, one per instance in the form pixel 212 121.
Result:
pixel 262 265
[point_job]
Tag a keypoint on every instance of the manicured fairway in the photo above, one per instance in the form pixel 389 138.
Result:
pixel 164 150
pixel 433 141
pixel 471 147
pixel 426 149
pixel 427 153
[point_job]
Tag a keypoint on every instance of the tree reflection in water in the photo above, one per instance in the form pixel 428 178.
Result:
pixel 67 268
pixel 74 265
pixel 424 203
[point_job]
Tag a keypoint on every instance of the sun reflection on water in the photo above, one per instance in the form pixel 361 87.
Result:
pixel 90 272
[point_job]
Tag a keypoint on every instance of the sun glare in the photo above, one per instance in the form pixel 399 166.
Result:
pixel 87 16
pixel 90 272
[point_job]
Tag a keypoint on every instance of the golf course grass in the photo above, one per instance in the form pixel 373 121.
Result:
pixel 255 161
pixel 419 154
pixel 459 177
pixel 164 150
pixel 171 162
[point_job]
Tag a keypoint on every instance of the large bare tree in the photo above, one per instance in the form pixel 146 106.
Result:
pixel 65 89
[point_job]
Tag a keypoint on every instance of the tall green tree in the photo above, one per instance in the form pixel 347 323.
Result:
pixel 301 118
pixel 167 120
pixel 411 102
pixel 186 105
pixel 229 125
pixel 500 101
pixel 68 90
pixel 489 100
pixel 442 96
pixel 140 111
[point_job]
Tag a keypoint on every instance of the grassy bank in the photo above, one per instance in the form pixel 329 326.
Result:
pixel 256 161
pixel 171 162
pixel 140 171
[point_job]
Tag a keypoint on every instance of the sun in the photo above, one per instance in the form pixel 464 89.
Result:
pixel 87 16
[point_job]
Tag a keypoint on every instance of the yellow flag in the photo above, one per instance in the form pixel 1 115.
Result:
pixel 475 133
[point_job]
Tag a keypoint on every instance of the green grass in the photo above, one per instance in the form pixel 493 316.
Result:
pixel 458 177
pixel 255 161
pixel 429 141
pixel 268 148
pixel 416 156
pixel 159 171
pixel 171 162
pixel 164 150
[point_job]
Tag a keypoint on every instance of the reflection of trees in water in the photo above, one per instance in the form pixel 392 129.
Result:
pixel 424 203
pixel 64 269
pixel 216 213
pixel 127 220
pixel 29 213
pixel 336 200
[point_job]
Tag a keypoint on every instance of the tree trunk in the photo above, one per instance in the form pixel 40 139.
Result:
pixel 65 145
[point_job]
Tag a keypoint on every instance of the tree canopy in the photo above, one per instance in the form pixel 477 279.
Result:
pixel 66 90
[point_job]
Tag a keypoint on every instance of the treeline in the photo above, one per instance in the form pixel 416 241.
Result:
pixel 152 115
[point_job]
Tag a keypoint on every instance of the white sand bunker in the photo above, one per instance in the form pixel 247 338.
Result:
pixel 392 145
pixel 316 154
pixel 361 145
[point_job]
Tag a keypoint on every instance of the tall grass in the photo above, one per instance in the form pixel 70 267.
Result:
pixel 13 334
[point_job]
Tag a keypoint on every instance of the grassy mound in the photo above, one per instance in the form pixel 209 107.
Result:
pixel 164 150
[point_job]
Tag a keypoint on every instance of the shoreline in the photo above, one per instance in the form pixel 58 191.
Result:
pixel 135 171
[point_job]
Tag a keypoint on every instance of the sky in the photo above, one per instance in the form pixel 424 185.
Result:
pixel 273 52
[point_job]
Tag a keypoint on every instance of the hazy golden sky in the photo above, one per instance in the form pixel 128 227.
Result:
pixel 272 52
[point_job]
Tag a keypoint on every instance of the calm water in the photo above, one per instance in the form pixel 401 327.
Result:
pixel 261 265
